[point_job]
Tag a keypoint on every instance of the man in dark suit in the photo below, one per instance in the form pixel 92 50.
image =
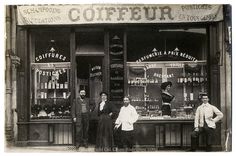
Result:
pixel 80 115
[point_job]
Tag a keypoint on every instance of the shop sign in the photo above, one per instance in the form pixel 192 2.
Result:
pixel 96 71
pixel 175 53
pixel 50 54
pixel 121 13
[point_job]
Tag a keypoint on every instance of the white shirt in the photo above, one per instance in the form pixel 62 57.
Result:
pixel 127 117
pixel 102 105
pixel 207 110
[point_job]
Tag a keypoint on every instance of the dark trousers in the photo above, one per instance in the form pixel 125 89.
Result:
pixel 207 132
pixel 127 139
pixel 81 130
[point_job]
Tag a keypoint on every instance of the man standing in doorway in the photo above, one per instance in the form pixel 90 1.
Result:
pixel 127 117
pixel 80 115
pixel 205 123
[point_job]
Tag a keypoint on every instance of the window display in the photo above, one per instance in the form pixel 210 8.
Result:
pixel 51 90
pixel 188 80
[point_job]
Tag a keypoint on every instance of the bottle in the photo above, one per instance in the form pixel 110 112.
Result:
pixel 181 80
pixel 53 84
pixel 156 81
pixel 189 78
pixel 49 85
pixel 42 86
pixel 185 96
pixel 201 78
pixel 191 96
pixel 197 78
pixel 45 85
pixel 64 95
pixel 194 77
pixel 42 95
pixel 185 80
pixel 57 85
pixel 66 85
pixel 61 85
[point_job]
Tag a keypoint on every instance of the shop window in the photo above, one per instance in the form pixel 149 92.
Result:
pixel 189 41
pixel 175 55
pixel 50 75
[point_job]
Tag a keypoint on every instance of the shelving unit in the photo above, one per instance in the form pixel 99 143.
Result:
pixel 145 78
pixel 51 90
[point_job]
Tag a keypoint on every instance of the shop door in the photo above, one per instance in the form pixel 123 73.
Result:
pixel 89 78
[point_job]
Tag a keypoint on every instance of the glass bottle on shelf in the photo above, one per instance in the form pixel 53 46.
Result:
pixel 53 84
pixel 189 78
pixel 201 78
pixel 41 86
pixel 194 77
pixel 49 85
pixel 197 77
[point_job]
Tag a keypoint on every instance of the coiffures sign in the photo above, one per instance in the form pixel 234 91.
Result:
pixel 117 13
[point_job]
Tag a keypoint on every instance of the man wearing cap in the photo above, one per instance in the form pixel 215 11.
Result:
pixel 80 114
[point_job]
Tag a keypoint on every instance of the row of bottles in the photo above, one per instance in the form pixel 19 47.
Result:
pixel 45 95
pixel 194 77
pixel 54 85
pixel 142 81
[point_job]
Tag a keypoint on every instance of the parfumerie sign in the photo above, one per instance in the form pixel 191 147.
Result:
pixel 117 13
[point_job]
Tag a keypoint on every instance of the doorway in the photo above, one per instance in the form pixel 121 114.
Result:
pixel 89 78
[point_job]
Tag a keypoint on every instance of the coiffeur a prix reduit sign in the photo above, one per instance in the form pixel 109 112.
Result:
pixel 117 13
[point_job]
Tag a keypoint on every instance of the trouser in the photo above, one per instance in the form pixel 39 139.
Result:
pixel 82 129
pixel 209 136
pixel 127 138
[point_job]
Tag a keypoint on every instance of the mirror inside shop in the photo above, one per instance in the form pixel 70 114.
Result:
pixel 187 82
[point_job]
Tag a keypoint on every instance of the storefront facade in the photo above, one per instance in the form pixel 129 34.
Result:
pixel 123 50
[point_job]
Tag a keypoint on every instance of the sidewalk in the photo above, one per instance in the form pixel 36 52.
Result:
pixel 46 149
pixel 66 149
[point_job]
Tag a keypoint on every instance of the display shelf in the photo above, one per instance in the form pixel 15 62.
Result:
pixel 51 84
pixel 146 96
pixel 61 98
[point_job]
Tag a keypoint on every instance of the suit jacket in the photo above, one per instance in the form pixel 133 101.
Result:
pixel 77 107
pixel 207 111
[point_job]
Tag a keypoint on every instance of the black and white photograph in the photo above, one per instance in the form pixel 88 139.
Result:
pixel 117 77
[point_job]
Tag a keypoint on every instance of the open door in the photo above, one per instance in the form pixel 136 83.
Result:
pixel 89 78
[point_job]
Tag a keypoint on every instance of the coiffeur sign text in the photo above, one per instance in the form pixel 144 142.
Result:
pixel 126 13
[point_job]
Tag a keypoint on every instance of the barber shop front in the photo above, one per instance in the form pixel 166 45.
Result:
pixel 122 50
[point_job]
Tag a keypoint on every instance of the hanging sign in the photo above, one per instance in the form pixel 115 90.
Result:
pixel 117 13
